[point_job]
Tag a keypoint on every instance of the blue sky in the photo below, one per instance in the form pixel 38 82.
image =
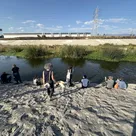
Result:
pixel 115 16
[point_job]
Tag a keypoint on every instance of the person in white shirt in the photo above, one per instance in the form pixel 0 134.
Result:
pixel 36 81
pixel 69 76
pixel 84 82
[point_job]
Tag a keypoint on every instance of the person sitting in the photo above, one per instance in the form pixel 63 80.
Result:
pixel 5 78
pixel 121 84
pixel 84 82
pixel 109 82
pixel 36 81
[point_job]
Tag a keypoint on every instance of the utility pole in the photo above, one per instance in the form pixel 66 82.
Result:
pixel 95 21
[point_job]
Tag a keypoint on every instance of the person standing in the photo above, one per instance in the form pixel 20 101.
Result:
pixel 48 79
pixel 16 74
pixel 69 76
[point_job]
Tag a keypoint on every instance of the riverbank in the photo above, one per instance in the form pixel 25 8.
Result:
pixel 106 52
pixel 26 110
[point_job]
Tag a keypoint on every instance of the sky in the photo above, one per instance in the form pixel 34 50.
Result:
pixel 55 16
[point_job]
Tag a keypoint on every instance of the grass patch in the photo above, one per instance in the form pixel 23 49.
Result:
pixel 73 51
pixel 3 48
pixel 110 52
pixel 15 49
pixel 113 53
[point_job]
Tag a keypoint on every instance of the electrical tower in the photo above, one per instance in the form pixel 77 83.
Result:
pixel 95 21
pixel 132 33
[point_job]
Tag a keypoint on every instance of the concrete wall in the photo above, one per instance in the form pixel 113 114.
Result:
pixel 93 42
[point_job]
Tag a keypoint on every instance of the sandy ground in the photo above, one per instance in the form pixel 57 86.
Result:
pixel 25 110
pixel 93 42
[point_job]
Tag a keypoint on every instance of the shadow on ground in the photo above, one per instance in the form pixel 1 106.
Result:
pixel 134 127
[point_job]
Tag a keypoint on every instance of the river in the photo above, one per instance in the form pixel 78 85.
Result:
pixel 95 70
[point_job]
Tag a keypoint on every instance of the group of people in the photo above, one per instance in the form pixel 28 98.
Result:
pixel 48 79
pixel 119 83
pixel 6 78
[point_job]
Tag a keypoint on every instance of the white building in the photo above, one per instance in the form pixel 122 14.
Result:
pixel 16 35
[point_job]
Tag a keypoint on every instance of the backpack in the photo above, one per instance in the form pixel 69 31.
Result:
pixel 116 86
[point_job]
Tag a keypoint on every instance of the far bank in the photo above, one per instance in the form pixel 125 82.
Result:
pixel 106 52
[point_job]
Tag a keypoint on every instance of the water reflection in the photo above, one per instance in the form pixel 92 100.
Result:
pixel 112 66
pixel 74 62
pixel 95 70
pixel 36 62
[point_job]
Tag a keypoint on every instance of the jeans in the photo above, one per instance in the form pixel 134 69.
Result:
pixel 50 90
pixel 17 77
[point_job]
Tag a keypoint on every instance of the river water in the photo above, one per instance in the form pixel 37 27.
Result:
pixel 95 70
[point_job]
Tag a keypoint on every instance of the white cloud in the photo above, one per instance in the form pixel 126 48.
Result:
pixel 20 28
pixel 10 28
pixel 110 20
pixel 116 20
pixel 125 31
pixel 78 29
pixel 108 27
pixel 69 25
pixel 41 26
pixel 78 22
pixel 88 22
pixel 59 27
pixel 53 28
pixel 9 18
pixel 29 21
pixel 100 21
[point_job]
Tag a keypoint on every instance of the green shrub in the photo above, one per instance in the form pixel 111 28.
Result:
pixel 73 51
pixel 35 51
pixel 15 49
pixel 2 48
pixel 113 52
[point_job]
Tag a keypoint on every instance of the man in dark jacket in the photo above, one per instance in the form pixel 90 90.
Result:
pixel 16 74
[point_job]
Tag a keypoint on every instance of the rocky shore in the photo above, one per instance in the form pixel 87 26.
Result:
pixel 25 110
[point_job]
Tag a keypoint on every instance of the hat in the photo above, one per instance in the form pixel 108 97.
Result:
pixel 48 66
pixel 84 76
